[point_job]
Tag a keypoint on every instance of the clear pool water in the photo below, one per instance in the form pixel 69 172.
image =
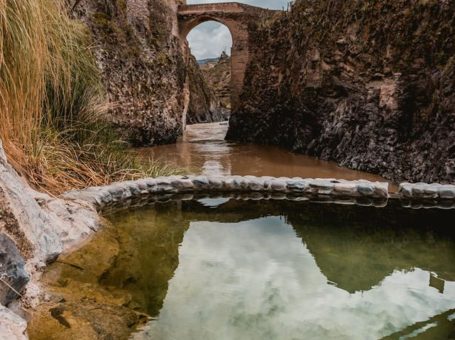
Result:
pixel 219 269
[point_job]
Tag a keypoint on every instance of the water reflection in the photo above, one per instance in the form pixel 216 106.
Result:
pixel 204 150
pixel 263 271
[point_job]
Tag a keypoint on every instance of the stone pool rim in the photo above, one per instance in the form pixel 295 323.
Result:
pixel 327 190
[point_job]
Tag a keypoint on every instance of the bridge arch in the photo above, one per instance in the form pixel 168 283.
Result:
pixel 237 18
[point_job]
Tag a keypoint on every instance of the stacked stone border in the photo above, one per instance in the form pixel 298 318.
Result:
pixel 360 192
pixel 55 225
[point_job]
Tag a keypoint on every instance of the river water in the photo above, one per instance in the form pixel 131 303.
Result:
pixel 203 150
pixel 227 269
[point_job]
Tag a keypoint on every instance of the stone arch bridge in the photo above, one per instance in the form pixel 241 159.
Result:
pixel 237 18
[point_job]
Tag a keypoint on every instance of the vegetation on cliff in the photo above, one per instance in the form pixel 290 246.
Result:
pixel 369 84
pixel 52 101
pixel 142 66
pixel 205 106
pixel 218 78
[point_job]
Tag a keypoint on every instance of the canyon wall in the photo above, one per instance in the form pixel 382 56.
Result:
pixel 218 77
pixel 368 84
pixel 204 105
pixel 142 65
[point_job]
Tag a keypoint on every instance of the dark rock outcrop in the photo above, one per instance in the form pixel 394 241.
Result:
pixel 218 78
pixel 204 106
pixel 142 65
pixel 368 84
pixel 12 272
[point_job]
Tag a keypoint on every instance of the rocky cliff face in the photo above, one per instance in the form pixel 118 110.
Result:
pixel 210 92
pixel 141 63
pixel 368 84
pixel 218 77
pixel 204 106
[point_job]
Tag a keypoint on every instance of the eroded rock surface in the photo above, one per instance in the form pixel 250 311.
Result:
pixel 218 77
pixel 370 85
pixel 142 65
pixel 13 276
pixel 46 226
pixel 12 326
pixel 36 228
pixel 204 106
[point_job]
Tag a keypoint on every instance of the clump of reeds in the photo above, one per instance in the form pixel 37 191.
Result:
pixel 51 102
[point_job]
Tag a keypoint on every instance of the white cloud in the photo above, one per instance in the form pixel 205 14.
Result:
pixel 256 280
pixel 209 39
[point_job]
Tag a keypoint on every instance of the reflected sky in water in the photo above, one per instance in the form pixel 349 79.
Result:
pixel 257 279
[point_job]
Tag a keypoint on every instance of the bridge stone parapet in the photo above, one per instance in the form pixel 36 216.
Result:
pixel 238 18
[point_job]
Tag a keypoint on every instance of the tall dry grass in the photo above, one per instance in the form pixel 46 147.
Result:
pixel 51 102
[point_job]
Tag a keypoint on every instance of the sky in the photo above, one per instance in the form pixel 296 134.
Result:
pixel 209 39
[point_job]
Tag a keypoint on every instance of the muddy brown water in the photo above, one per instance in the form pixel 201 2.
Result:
pixel 221 269
pixel 203 150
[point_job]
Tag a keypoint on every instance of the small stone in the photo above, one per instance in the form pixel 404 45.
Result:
pixel 126 194
pixel 431 191
pixel 447 192
pixel 151 182
pixel 267 182
pixel 256 184
pixel 405 190
pixel 365 189
pixel 240 183
pixel 215 183
pixel 228 183
pixel 345 188
pixel 296 185
pixel 142 185
pixel 278 185
pixel 115 190
pixel 381 190
pixel 133 188
pixel 164 180
pixel 418 190
pixel 201 182
pixel 182 184
pixel 322 186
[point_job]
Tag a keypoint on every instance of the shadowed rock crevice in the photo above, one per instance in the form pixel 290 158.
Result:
pixel 204 106
pixel 218 77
